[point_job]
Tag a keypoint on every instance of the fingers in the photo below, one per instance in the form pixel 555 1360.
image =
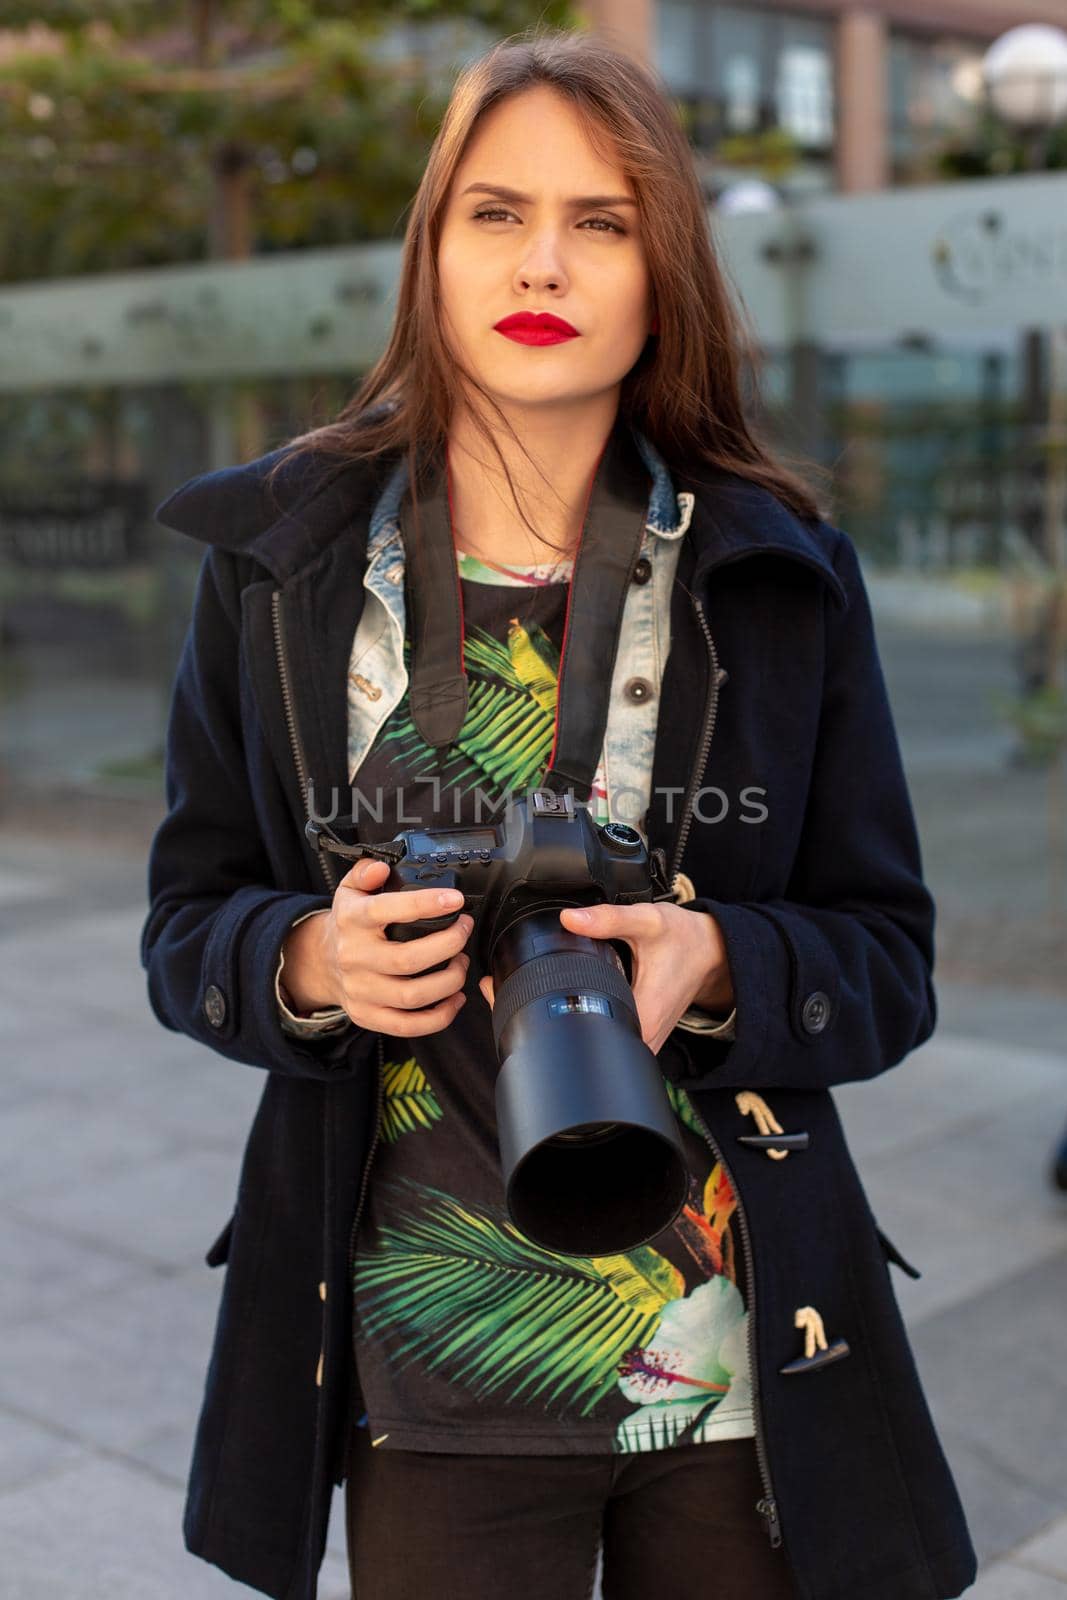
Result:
pixel 405 994
pixel 410 1024
pixel 606 921
pixel 400 905
pixel 408 905
pixel 417 954
pixel 365 875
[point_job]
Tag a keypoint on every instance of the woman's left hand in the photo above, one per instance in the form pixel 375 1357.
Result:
pixel 679 960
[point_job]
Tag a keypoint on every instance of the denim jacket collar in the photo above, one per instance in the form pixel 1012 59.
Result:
pixel 668 513
pixel 377 676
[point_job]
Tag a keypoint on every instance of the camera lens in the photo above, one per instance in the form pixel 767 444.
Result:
pixel 590 1149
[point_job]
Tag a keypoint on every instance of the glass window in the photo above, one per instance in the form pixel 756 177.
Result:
pixel 743 70
pixel 739 49
pixel 925 102
pixel 677 45
pixel 804 88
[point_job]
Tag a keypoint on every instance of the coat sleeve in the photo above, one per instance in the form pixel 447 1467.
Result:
pixel 216 921
pixel 833 982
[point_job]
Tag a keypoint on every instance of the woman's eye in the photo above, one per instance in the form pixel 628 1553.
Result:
pixel 495 212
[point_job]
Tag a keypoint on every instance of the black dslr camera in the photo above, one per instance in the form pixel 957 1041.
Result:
pixel 590 1149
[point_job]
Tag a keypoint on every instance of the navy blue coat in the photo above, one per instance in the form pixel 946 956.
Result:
pixel 829 932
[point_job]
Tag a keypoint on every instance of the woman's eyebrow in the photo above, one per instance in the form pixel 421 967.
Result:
pixel 577 201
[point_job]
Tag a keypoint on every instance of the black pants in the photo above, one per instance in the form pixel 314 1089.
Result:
pixel 675 1524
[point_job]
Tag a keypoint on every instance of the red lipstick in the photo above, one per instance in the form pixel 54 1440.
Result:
pixel 536 327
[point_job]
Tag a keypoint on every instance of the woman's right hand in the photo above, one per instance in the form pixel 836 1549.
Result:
pixel 343 958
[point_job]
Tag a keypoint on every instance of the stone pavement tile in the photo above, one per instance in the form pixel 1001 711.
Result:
pixel 965 1205
pixel 116 1372
pixel 1047 1550
pixel 992 1368
pixel 1007 1581
pixel 136 1069
pixel 164 1211
pixel 19 884
pixel 48 1146
pixel 335 1533
pixel 53 1054
pixel 175 1083
pixel 333 1579
pixel 947 1084
pixel 168 1450
pixel 42 1272
pixel 48 1053
pixel 107 980
pixel 102 1529
pixel 30 1451
pixel 1001 1508
pixel 1035 1019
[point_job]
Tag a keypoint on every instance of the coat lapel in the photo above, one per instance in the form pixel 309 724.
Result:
pixel 734 518
pixel 731 522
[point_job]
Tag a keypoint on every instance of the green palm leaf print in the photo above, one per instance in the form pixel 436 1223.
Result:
pixel 658 1427
pixel 459 1289
pixel 506 737
pixel 682 1108
pixel 408 1099
pixel 536 661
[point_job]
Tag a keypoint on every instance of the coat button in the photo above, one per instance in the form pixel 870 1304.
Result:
pixel 638 690
pixel 643 570
pixel 815 1013
pixel 215 1006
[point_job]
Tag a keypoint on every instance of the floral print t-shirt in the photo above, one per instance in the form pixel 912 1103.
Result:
pixel 468 1337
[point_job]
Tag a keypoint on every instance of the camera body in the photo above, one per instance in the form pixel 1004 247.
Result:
pixel 590 1148
pixel 548 853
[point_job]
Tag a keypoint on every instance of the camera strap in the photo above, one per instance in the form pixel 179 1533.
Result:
pixel 608 549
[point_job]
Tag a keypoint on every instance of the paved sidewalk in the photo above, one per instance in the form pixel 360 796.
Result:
pixel 113 1183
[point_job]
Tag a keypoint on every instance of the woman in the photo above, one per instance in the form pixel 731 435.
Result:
pixel 498 1412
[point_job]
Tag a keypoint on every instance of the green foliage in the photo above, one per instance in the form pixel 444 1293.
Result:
pixel 147 768
pixel 991 148
pixel 114 127
pixel 773 152
pixel 461 1290
pixel 1040 719
pixel 409 1103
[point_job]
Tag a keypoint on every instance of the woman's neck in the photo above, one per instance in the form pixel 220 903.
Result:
pixel 566 448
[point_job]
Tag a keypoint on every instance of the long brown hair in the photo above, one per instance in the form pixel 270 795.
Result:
pixel 684 390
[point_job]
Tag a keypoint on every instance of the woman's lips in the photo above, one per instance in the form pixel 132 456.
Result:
pixel 526 328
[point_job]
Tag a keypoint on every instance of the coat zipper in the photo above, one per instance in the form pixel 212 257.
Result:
pixel 322 856
pixel 350 1285
pixel 767 1505
pixel 718 677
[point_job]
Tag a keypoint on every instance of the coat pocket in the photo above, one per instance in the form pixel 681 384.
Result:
pixel 220 1250
pixel 893 1254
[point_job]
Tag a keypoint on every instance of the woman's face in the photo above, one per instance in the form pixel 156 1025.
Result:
pixel 544 252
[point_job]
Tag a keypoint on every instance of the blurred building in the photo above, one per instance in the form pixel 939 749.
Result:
pixel 935 428
pixel 865 93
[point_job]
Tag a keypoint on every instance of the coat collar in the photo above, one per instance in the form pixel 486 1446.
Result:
pixel 734 518
pixel 311 504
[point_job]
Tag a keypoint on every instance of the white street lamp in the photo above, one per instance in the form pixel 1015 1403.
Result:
pixel 1025 74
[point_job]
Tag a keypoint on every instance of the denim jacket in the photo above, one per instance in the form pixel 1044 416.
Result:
pixel 377 677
